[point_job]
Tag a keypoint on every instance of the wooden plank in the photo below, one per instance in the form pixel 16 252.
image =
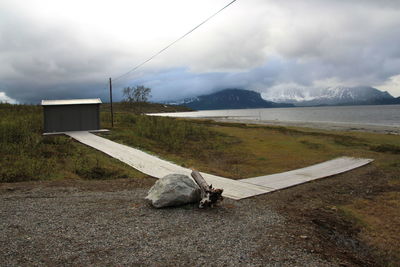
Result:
pixel 303 175
pixel 91 131
pixel 234 189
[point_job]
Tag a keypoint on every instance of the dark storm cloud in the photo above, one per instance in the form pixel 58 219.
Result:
pixel 47 62
pixel 188 84
pixel 254 44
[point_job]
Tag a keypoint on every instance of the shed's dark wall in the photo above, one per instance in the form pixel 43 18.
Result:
pixel 65 118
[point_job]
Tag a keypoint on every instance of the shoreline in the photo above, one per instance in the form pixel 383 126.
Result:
pixel 331 126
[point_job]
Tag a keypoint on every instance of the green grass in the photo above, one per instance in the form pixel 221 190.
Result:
pixel 26 155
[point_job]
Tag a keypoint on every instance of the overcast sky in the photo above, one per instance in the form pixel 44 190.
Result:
pixel 59 49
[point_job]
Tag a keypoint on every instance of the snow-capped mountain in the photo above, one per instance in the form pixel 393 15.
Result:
pixel 360 95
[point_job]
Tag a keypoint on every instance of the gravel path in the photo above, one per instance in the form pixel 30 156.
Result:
pixel 69 226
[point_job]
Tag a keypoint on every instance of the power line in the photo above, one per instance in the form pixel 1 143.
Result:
pixel 174 42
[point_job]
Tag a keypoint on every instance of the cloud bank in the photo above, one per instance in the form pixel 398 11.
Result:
pixel 68 49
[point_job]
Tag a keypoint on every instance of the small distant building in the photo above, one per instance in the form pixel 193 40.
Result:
pixel 71 115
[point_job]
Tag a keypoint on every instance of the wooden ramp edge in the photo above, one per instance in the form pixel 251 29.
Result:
pixel 322 170
pixel 234 189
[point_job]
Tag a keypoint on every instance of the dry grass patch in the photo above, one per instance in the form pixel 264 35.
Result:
pixel 379 220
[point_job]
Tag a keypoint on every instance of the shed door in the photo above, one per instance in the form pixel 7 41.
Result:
pixel 71 118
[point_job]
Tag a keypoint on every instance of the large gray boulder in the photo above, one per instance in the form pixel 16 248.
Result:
pixel 173 190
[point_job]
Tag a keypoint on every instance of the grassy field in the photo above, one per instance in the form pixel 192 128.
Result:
pixel 230 150
pixel 26 155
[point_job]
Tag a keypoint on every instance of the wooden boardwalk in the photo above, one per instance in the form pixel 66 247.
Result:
pixel 322 170
pixel 234 189
pixel 158 168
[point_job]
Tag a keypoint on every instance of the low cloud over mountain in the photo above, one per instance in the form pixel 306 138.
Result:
pixel 241 99
pixel 361 95
pixel 68 49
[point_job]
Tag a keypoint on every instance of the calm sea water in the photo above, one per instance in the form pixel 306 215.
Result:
pixel 382 115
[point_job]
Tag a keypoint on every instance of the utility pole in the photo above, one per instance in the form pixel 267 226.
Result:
pixel 111 103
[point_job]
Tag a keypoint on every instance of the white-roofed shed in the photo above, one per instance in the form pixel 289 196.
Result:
pixel 71 115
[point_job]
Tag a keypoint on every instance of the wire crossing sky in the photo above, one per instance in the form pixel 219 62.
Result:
pixel 174 42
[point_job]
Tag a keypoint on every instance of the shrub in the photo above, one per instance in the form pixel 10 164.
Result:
pixel 385 148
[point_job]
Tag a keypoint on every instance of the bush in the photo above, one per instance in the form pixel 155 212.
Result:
pixel 385 148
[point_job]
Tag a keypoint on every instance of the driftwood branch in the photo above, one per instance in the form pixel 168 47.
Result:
pixel 209 195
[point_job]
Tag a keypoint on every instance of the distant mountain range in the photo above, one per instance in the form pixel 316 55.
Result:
pixel 361 95
pixel 240 99
pixel 229 99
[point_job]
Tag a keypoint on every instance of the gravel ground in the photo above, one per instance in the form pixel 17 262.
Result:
pixel 54 226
